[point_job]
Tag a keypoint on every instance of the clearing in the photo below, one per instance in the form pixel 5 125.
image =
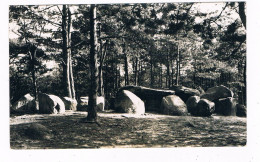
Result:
pixel 124 130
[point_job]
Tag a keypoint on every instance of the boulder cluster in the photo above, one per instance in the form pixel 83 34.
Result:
pixel 179 101
pixel 52 104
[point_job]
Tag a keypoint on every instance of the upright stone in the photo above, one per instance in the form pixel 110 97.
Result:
pixel 50 104
pixel 128 102
pixel 24 104
pixel 241 110
pixel 192 103
pixel 204 108
pixel 173 105
pixel 83 105
pixel 70 104
pixel 226 106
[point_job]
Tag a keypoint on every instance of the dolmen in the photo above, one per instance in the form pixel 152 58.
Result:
pixel 179 101
pixel 152 98
pixel 221 100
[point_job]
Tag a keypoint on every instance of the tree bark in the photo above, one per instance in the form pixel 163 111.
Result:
pixel 151 74
pixel 73 94
pixel 168 71
pixel 126 66
pixel 66 58
pixel 92 111
pixel 136 70
pixel 35 89
pixel 178 66
pixel 242 14
pixel 244 76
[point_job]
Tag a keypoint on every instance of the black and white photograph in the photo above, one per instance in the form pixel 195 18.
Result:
pixel 128 75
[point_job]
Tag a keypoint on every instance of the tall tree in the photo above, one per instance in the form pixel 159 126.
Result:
pixel 66 50
pixel 92 111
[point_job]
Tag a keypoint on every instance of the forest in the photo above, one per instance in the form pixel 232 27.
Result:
pixel 94 50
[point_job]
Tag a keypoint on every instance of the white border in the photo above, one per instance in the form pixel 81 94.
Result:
pixel 248 153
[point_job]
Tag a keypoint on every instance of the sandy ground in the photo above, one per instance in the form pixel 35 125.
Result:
pixel 125 130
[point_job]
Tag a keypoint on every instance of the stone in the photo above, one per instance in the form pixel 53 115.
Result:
pixel 24 104
pixel 218 92
pixel 173 105
pixel 50 104
pixel 100 103
pixel 128 102
pixel 70 104
pixel 37 131
pixel 184 92
pixel 204 108
pixel 151 97
pixel 241 110
pixel 192 103
pixel 83 105
pixel 226 106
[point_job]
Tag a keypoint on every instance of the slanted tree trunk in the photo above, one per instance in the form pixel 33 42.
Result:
pixel 92 111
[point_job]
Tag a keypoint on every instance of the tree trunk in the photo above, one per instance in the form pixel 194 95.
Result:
pixel 151 74
pixel 66 54
pixel 35 89
pixel 126 66
pixel 136 70
pixel 241 12
pixel 168 72
pixel 244 76
pixel 178 66
pixel 73 95
pixel 92 111
pixel 140 73
pixel 102 55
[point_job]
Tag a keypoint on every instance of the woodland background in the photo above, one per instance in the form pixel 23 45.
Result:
pixel 79 50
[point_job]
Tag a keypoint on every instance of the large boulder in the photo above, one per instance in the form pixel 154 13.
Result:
pixel 50 104
pixel 70 104
pixel 226 106
pixel 83 105
pixel 173 105
pixel 192 103
pixel 128 102
pixel 204 108
pixel 241 110
pixel 24 104
pixel 184 92
pixel 218 92
pixel 151 97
